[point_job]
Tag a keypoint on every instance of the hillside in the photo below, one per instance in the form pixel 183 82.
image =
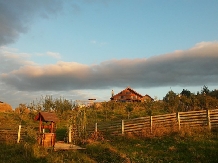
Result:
pixel 188 145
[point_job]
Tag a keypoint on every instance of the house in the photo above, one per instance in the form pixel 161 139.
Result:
pixel 129 95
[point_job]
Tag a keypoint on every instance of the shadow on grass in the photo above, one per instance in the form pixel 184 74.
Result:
pixel 18 153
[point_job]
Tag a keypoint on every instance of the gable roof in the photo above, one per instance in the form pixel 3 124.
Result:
pixel 46 117
pixel 129 89
pixel 148 97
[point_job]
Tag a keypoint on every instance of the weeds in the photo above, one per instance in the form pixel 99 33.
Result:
pixel 163 144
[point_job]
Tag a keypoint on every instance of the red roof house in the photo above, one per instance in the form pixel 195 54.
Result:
pixel 129 95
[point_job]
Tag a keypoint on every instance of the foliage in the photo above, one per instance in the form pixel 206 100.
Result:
pixel 60 106
pixel 129 109
pixel 205 90
pixel 187 101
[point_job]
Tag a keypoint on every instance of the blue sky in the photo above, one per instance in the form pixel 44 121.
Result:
pixel 84 49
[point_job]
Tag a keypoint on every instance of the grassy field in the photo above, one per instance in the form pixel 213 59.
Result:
pixel 177 147
pixel 185 146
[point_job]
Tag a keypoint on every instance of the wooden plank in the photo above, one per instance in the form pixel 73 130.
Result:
pixel 165 116
pixel 191 112
pixel 140 124
pixel 191 120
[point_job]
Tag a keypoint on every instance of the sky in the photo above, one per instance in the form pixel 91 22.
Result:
pixel 81 49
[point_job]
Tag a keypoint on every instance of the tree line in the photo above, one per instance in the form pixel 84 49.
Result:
pixel 171 102
pixel 187 101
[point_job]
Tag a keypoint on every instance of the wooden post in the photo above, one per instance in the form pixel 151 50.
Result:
pixel 151 123
pixel 70 134
pixel 52 127
pixel 208 120
pixel 40 124
pixel 96 127
pixel 18 134
pixel 178 119
pixel 122 127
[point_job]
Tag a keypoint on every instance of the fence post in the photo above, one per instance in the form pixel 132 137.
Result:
pixel 151 123
pixel 18 134
pixel 96 127
pixel 122 126
pixel 70 134
pixel 178 119
pixel 208 119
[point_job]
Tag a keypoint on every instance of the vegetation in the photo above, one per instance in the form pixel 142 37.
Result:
pixel 181 147
pixel 187 145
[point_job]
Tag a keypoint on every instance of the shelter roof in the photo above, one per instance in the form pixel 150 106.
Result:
pixel 46 117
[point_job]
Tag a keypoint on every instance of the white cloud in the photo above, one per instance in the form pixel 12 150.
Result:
pixel 196 66
pixel 54 55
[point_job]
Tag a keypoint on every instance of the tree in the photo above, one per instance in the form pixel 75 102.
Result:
pixel 214 94
pixel 186 93
pixel 129 108
pixel 172 101
pixel 205 90
pixel 48 103
pixel 21 110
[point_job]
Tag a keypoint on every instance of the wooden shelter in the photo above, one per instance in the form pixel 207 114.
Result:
pixel 47 123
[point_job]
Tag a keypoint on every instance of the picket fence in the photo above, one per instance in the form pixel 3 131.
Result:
pixel 181 120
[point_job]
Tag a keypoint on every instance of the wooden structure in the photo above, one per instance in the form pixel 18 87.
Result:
pixel 167 122
pixel 129 95
pixel 47 125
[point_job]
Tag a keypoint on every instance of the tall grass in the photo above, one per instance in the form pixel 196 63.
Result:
pixel 187 145
pixel 162 145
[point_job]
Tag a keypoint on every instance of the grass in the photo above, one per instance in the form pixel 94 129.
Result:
pixel 177 147
pixel 188 145
pixel 173 148
pixel 170 149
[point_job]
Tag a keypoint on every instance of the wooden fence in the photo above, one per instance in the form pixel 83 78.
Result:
pixel 12 135
pixel 180 120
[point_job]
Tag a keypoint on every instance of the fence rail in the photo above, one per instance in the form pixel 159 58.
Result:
pixel 12 135
pixel 208 118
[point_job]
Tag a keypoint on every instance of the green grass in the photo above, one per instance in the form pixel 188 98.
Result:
pixel 169 149
pixel 187 146
pixel 174 148
pixel 201 147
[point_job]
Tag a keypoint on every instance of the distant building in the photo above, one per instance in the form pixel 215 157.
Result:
pixel 129 95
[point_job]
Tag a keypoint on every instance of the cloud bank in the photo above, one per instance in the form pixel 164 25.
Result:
pixel 192 67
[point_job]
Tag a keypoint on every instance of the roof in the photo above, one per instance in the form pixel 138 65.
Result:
pixel 46 117
pixel 149 97
pixel 134 91
pixel 130 89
